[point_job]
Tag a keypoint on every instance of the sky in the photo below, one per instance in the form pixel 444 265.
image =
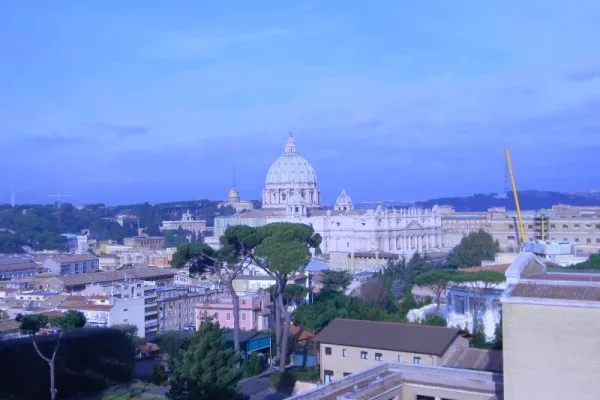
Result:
pixel 125 102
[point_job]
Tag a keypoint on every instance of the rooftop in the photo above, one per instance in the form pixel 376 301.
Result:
pixel 413 338
pixel 18 266
pixel 495 267
pixel 112 276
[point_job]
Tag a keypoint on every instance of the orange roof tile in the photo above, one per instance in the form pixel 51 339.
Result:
pixel 495 267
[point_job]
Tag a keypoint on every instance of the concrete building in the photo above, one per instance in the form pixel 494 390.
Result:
pixel 146 316
pixel 145 242
pixel 550 322
pixel 77 283
pixel 255 311
pixel 70 264
pixel 561 223
pixel 187 223
pixel 105 311
pixel 17 268
pixel 177 306
pixel 291 194
pixel 248 283
pixel 457 225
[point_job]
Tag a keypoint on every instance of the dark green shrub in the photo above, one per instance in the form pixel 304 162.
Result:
pixel 88 361
pixel 435 320
pixel 159 375
pixel 283 382
pixel 254 365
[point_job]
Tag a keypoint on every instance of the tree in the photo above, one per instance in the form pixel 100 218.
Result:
pixel 208 368
pixel 283 251
pixel 437 281
pixel 227 263
pixel 475 248
pixel 132 333
pixel 434 320
pixel 376 294
pixel 336 281
pixel 31 325
pixel 174 344
pixel 159 375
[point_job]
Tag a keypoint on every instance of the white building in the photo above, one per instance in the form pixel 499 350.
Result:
pixel 187 223
pixel 291 194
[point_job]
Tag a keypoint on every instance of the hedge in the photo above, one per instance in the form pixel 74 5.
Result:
pixel 89 360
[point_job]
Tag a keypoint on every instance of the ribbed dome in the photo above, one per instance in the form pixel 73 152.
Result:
pixel 344 202
pixel 291 167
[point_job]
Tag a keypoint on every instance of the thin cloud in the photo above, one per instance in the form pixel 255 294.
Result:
pixel 121 130
pixel 55 139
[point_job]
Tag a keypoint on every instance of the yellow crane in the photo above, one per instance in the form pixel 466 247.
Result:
pixel 516 196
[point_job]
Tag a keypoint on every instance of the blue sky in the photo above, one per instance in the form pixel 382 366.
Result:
pixel 136 101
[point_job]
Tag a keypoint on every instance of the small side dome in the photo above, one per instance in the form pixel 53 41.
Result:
pixel 234 196
pixel 344 202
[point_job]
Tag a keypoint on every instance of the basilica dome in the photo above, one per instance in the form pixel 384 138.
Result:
pixel 344 202
pixel 291 167
pixel 290 174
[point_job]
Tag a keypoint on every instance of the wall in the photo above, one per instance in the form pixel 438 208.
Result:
pixel 556 346
pixel 129 311
pixel 353 363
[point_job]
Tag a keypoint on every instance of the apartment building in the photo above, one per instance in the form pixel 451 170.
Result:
pixel 347 346
pixel 145 242
pixel 146 317
pixel 249 283
pixel 550 323
pixel 255 311
pixel 105 311
pixel 177 306
pixel 562 223
pixel 77 283
pixel 456 225
pixel 16 268
pixel 69 264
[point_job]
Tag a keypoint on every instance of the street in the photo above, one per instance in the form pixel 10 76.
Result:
pixel 259 388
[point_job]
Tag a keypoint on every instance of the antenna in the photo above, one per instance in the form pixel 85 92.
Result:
pixel 58 196
pixel 234 177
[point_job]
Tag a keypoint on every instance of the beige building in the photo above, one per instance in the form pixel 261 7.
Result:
pixel 579 225
pixel 145 242
pixel 456 225
pixel 384 360
pixel 252 283
pixel 234 200
pixel 550 323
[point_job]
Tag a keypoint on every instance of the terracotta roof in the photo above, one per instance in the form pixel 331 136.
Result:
pixel 556 292
pixel 413 338
pixel 495 267
pixel 478 359
pixel 302 334
pixel 566 276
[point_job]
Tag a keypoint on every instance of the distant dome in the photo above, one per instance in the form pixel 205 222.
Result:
pixel 291 167
pixel 291 175
pixel 234 196
pixel 344 202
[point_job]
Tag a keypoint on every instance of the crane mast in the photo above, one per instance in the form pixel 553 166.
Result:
pixel 516 196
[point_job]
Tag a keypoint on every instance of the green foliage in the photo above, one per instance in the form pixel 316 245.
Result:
pixel 254 365
pixel 132 333
pixel 207 364
pixel 435 320
pixel 335 280
pixel 314 317
pixel 282 382
pixel 89 360
pixel 32 323
pixel 497 342
pixel 189 389
pixel 592 263
pixel 475 248
pixel 308 374
pixel 479 339
pixel 479 277
pixel 174 345
pixel 159 375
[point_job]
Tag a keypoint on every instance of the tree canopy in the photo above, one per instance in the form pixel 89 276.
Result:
pixel 335 280
pixel 474 248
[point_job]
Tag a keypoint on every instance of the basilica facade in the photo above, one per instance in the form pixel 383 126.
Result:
pixel 291 194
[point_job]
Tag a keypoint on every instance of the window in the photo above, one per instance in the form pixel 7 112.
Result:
pixel 576 226
pixel 327 375
pixel 378 356
pixel 597 226
pixel 344 354
pixel 421 397
pixel 124 309
pixel 459 304
pixel 347 374
pixel 400 358
pixel 588 241
pixel 529 226
pixel 228 316
pixel 511 239
pixel 363 355
pixel 216 315
pixel 552 226
pixel 511 226
pixel 565 227
pixel 576 240
pixel 243 316
pixel 328 351
pixel 588 226
pixel 417 360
